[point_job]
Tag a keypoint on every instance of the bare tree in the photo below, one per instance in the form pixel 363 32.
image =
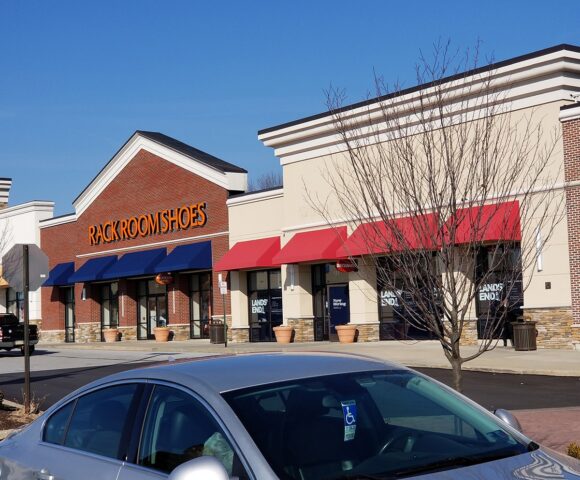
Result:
pixel 455 195
pixel 265 181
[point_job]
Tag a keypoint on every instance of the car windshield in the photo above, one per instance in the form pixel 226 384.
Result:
pixel 379 424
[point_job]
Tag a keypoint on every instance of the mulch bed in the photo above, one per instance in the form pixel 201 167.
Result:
pixel 11 418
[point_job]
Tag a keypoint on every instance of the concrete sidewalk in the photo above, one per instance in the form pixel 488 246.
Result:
pixel 414 354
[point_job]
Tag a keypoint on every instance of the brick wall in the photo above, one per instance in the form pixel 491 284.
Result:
pixel 571 141
pixel 147 184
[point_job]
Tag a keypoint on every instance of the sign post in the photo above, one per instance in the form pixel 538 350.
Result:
pixel 224 290
pixel 24 275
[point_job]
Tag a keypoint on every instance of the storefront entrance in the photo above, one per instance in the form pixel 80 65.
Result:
pixel 265 304
pixel 200 304
pixel 338 309
pixel 69 314
pixel 109 306
pixel 331 301
pixel 152 309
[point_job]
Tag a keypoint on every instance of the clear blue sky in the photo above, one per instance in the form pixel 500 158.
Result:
pixel 77 78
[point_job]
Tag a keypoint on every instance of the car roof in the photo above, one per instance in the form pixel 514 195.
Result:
pixel 232 372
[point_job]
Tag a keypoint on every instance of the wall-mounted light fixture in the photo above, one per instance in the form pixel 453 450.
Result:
pixel 84 293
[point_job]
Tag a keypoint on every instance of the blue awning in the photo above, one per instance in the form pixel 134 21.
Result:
pixel 195 256
pixel 136 264
pixel 60 275
pixel 93 269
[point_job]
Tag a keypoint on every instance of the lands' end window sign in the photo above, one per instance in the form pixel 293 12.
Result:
pixel 163 221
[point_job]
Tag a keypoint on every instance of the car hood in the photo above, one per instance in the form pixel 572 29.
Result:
pixel 541 464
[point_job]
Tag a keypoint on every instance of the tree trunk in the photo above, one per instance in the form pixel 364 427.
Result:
pixel 457 373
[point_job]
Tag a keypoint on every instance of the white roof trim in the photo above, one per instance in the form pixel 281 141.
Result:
pixel 228 180
pixel 570 113
pixel 532 82
pixel 33 206
pixel 53 222
pixel 255 197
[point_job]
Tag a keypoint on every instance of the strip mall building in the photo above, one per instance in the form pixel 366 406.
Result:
pixel 160 206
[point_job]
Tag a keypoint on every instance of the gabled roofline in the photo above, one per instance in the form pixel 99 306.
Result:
pixel 213 169
pixel 407 91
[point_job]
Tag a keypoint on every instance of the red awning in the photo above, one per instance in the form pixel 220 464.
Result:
pixel 312 246
pixel 498 222
pixel 250 254
pixel 419 232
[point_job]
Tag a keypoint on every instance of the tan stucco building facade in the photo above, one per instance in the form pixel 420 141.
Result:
pixel 542 85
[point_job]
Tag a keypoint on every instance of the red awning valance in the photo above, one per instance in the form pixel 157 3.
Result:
pixel 498 222
pixel 250 254
pixel 419 232
pixel 313 246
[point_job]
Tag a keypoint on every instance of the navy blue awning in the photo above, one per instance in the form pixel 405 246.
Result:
pixel 60 275
pixel 195 256
pixel 93 269
pixel 135 264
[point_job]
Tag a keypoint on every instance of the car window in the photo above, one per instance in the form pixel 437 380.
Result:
pixel 177 428
pixel 99 420
pixel 379 424
pixel 55 427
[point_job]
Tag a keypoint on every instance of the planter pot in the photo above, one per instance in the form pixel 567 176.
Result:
pixel 161 334
pixel 283 334
pixel 346 333
pixel 111 335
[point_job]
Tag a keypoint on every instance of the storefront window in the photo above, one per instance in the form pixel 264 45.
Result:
pixel 152 308
pixel 399 315
pixel 15 303
pixel 109 306
pixel 200 304
pixel 265 304
pixel 500 295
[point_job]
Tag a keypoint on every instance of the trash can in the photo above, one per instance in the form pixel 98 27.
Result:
pixel 216 332
pixel 524 336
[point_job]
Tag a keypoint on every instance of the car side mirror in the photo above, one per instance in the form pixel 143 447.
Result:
pixel 201 468
pixel 508 417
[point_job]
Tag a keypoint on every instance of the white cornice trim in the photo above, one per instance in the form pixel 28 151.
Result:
pixel 570 113
pixel 53 222
pixel 549 78
pixel 33 206
pixel 153 244
pixel 226 180
pixel 255 197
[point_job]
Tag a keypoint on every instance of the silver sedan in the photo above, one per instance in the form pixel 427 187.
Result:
pixel 267 416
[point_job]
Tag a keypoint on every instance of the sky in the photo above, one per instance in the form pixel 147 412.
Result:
pixel 77 78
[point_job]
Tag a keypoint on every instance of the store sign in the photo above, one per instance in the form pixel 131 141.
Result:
pixel 490 292
pixel 259 305
pixel 346 266
pixel 163 221
pixel 390 298
pixel 164 278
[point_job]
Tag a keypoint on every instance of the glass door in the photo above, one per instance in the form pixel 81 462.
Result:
pixel 152 311
pixel 69 314
pixel 109 307
pixel 200 305
pixel 338 309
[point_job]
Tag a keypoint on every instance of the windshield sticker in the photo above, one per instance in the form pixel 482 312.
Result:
pixel 349 414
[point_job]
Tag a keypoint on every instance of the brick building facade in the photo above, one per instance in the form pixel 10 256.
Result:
pixel 156 197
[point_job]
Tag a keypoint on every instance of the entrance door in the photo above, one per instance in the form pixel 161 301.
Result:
pixel 338 308
pixel 200 305
pixel 69 314
pixel 152 308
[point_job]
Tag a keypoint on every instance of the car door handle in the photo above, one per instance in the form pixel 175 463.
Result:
pixel 44 475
